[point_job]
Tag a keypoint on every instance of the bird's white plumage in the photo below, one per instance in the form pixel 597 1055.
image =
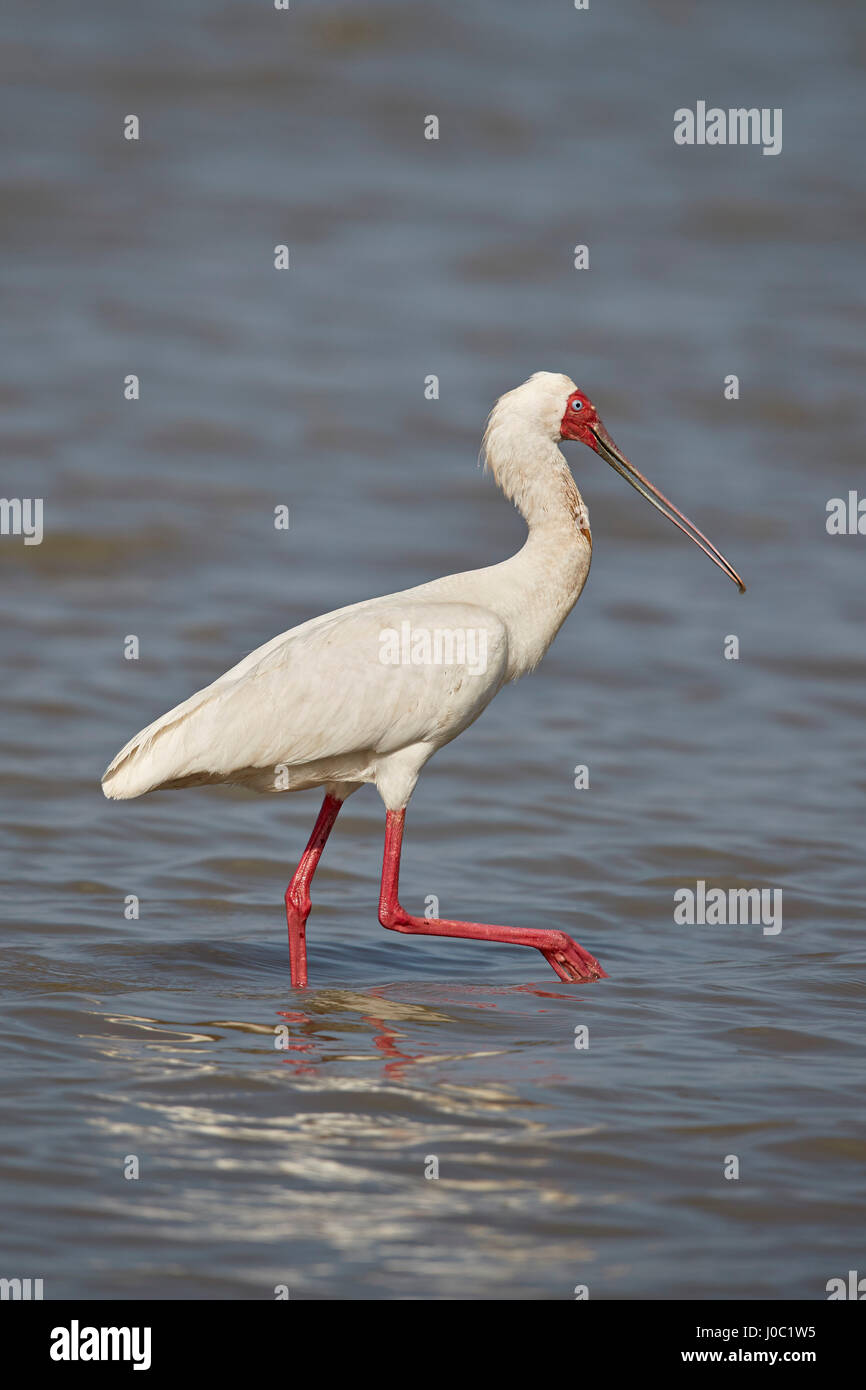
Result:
pixel 316 706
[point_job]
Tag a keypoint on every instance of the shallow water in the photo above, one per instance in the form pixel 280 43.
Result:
pixel 305 1166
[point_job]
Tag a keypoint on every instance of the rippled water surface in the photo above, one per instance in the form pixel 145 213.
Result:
pixel 558 1166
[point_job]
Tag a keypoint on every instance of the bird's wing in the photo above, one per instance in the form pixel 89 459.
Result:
pixel 374 678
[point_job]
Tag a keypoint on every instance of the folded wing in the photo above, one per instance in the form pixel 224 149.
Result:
pixel 342 689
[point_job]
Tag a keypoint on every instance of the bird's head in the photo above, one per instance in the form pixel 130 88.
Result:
pixel 520 442
pixel 580 421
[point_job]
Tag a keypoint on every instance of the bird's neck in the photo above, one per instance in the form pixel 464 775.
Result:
pixel 539 586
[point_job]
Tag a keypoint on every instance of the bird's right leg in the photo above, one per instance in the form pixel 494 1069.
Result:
pixel 564 956
pixel 298 892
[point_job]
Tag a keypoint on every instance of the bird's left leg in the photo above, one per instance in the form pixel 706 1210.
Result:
pixel 570 961
pixel 298 892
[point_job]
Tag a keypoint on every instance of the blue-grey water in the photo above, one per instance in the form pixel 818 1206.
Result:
pixel 154 1038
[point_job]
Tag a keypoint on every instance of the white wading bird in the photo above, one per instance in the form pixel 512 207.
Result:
pixel 331 704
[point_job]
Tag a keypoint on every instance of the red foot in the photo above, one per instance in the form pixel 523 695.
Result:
pixel 572 962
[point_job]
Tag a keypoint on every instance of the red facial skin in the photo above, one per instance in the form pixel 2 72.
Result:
pixel 575 423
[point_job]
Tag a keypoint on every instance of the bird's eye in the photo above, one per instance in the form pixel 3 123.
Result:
pixel 577 405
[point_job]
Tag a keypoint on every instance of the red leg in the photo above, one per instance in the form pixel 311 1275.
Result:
pixel 298 892
pixel 570 961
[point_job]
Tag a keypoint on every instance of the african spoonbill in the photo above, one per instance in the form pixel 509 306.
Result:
pixel 370 692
